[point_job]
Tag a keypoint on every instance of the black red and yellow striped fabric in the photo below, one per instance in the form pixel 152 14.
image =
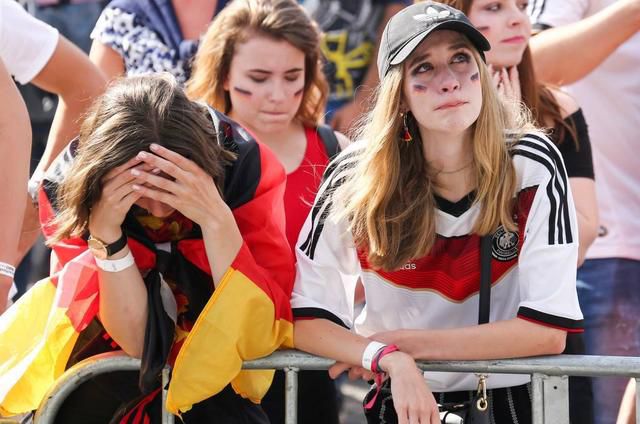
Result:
pixel 247 316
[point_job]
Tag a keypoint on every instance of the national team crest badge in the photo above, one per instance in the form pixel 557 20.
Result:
pixel 505 244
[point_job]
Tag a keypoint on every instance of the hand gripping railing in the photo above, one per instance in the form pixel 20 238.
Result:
pixel 549 382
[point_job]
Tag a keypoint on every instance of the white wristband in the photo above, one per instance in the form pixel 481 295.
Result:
pixel 369 352
pixel 115 265
pixel 7 270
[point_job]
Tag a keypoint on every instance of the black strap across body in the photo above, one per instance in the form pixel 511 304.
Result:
pixel 476 411
pixel 329 140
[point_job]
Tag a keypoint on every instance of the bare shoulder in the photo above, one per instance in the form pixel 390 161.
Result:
pixel 568 104
pixel 343 140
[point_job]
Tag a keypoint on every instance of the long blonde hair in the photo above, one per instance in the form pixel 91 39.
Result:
pixel 389 199
pixel 239 21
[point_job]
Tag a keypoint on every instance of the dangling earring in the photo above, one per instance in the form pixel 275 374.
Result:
pixel 406 135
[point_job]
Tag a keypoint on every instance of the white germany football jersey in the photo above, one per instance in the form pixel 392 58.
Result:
pixel 533 269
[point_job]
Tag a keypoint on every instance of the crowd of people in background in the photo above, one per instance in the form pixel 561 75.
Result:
pixel 339 176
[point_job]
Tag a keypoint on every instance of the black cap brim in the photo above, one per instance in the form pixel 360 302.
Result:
pixel 476 38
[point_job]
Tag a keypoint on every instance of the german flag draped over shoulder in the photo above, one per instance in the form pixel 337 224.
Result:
pixel 247 317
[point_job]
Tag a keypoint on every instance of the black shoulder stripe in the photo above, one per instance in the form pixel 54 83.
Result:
pixel 309 246
pixel 560 179
pixel 551 149
pixel 560 189
pixel 537 8
pixel 332 181
pixel 553 213
pixel 338 162
pixel 320 226
pixel 327 189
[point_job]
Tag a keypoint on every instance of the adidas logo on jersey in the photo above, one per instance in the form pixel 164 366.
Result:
pixel 408 266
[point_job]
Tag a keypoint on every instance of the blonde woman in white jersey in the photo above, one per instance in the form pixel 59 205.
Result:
pixel 442 164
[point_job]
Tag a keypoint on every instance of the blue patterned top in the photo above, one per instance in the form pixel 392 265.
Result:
pixel 146 34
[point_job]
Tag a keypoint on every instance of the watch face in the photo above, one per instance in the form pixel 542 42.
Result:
pixel 98 248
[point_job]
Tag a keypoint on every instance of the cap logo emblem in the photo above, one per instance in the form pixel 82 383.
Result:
pixel 432 14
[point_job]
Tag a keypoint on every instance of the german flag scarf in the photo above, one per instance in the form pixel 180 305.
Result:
pixel 247 316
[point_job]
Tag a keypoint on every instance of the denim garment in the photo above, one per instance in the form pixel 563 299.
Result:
pixel 609 293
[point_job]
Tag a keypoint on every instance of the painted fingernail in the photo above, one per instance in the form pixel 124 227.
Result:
pixel 156 171
pixel 136 187
pixel 142 155
pixel 154 146
pixel 135 172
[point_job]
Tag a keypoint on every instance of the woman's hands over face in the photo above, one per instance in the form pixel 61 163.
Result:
pixel 118 195
pixel 413 401
pixel 188 188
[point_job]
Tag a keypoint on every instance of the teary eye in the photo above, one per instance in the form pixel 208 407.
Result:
pixel 423 67
pixel 461 58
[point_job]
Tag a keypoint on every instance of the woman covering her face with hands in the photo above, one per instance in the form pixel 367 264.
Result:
pixel 174 214
pixel 442 162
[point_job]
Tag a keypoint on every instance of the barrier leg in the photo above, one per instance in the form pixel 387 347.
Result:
pixel 537 401
pixel 291 395
pixel 556 399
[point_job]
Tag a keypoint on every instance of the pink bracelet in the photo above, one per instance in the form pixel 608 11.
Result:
pixel 375 367
pixel 375 363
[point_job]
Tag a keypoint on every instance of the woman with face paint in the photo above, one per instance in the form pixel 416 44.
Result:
pixel 506 24
pixel 260 63
pixel 443 164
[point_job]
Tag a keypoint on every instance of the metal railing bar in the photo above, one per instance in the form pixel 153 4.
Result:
pixel 292 361
pixel 78 374
pixel 556 365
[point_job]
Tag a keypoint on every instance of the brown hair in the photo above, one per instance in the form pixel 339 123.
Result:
pixel 242 19
pixel 133 113
pixel 537 96
pixel 389 200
